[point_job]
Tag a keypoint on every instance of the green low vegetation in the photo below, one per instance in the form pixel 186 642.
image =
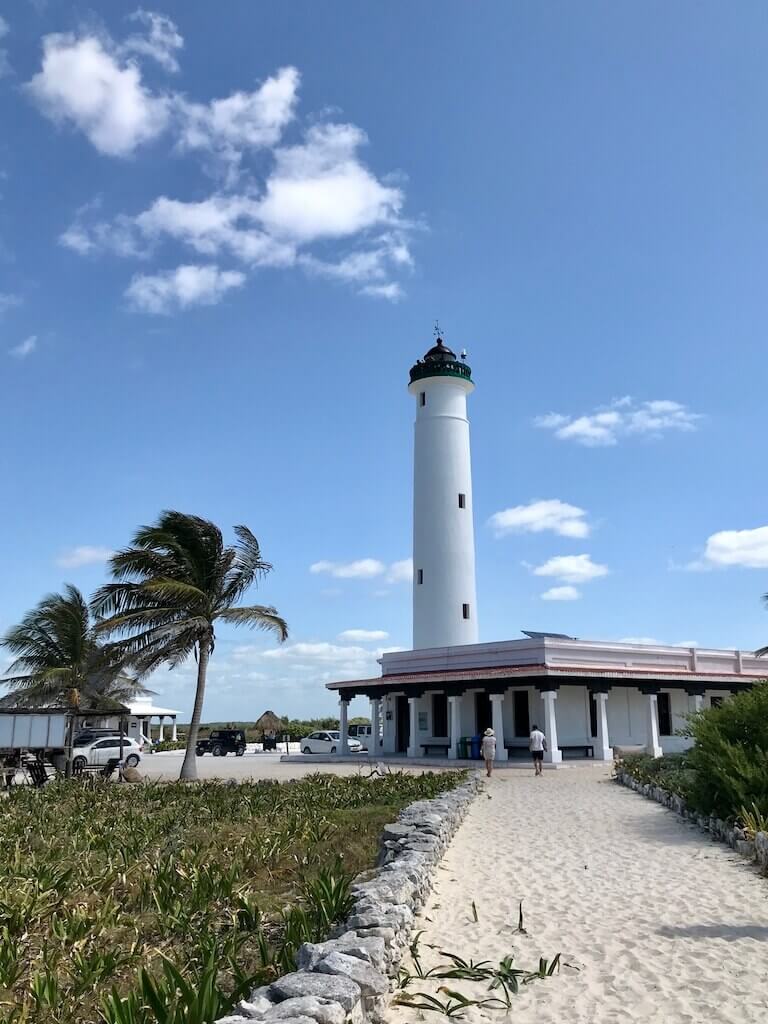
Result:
pixel 164 904
pixel 725 773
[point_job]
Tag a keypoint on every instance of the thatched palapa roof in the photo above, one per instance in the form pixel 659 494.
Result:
pixel 269 722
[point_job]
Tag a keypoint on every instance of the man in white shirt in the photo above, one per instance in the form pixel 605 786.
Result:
pixel 537 744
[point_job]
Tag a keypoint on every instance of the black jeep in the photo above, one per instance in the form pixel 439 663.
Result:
pixel 222 742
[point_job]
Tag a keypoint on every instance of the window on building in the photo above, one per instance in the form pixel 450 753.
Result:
pixel 419 575
pixel 422 398
pixel 665 714
pixel 465 610
pixel 715 702
pixel 521 713
pixel 592 715
pixel 462 501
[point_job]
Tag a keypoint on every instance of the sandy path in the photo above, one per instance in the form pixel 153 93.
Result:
pixel 666 926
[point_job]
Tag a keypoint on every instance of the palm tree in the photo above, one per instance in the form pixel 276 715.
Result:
pixel 175 582
pixel 59 660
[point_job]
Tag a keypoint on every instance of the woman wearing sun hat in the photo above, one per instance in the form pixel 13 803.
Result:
pixel 488 747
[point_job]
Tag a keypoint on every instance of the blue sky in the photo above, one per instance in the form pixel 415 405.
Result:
pixel 225 234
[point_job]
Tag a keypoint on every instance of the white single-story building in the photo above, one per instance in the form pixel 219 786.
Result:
pixel 587 696
pixel 140 716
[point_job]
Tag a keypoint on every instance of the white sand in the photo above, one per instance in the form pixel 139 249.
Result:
pixel 666 926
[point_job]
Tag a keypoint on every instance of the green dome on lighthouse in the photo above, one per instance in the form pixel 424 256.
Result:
pixel 440 361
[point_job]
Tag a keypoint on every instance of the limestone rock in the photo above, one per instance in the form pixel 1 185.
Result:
pixel 369 949
pixel 339 964
pixel 323 1011
pixel 396 831
pixel 256 1006
pixel 332 988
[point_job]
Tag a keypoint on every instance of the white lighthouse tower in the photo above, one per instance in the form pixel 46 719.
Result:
pixel 444 599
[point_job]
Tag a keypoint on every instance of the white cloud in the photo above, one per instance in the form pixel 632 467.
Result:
pixel 24 348
pixel 392 291
pixel 362 569
pixel 622 418
pixel 400 572
pixel 320 661
pixel 160 43
pixel 243 120
pixel 572 569
pixel 537 516
pixel 317 191
pixel 746 548
pixel 566 593
pixel 220 223
pixel 374 265
pixel 320 189
pixel 638 640
pixel 8 301
pixel 362 635
pixel 85 81
pixel 181 288
pixel 73 558
pixel 5 67
pixel 85 237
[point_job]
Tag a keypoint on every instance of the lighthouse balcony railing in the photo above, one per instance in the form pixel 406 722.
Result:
pixel 442 369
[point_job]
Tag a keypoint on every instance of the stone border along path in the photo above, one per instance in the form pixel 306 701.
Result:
pixel 348 977
pixel 752 849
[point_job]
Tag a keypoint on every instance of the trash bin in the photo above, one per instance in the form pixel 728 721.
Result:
pixel 463 746
pixel 475 747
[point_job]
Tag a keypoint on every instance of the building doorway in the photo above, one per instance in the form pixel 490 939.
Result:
pixel 483 714
pixel 439 714
pixel 522 716
pixel 403 722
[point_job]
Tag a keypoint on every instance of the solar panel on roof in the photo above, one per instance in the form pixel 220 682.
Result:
pixel 546 636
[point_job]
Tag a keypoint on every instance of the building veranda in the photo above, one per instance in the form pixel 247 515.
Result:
pixel 587 696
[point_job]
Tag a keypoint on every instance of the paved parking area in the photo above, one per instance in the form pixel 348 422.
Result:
pixel 257 765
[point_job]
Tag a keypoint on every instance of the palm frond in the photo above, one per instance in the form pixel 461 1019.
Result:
pixel 257 616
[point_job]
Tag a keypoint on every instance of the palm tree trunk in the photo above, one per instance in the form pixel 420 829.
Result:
pixel 189 765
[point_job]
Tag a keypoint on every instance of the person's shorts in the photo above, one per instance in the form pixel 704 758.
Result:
pixel 537 755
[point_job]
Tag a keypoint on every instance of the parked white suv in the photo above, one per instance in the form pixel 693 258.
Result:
pixel 327 743
pixel 101 750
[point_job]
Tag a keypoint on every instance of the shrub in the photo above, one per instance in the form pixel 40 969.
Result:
pixel 672 772
pixel 730 755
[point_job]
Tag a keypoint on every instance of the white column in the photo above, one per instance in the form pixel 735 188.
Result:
pixel 497 713
pixel 343 727
pixel 373 746
pixel 174 737
pixel 553 755
pixel 389 731
pixel 695 702
pixel 654 746
pixel 603 751
pixel 454 704
pixel 413 742
pixel 161 733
